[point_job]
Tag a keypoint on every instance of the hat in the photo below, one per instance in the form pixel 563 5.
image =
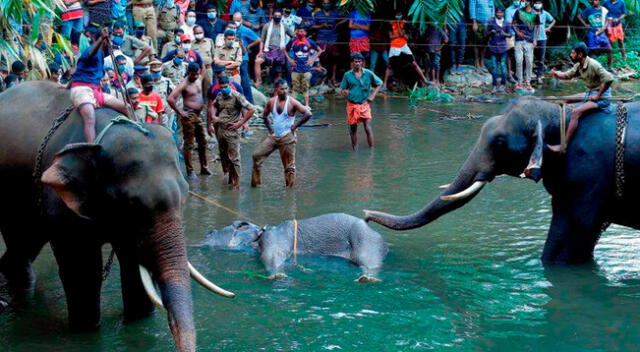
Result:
pixel 185 37
pixel 139 69
pixel 218 68
pixel 229 33
pixel 155 62
pixel 138 24
pixel 156 69
pixel 357 56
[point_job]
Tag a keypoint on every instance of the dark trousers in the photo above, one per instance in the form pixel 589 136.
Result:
pixel 246 80
pixel 458 39
pixel 539 53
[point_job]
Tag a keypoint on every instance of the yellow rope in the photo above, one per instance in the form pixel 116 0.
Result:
pixel 214 203
pixel 295 242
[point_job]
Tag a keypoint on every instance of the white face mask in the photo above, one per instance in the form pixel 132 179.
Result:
pixel 537 6
pixel 199 36
pixel 191 21
pixel 500 21
pixel 186 46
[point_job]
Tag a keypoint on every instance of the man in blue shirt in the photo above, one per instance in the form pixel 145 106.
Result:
pixel 325 23
pixel 594 19
pixel 480 12
pixel 86 93
pixel 255 17
pixel 250 42
pixel 546 24
pixel 615 32
pixel 212 25
pixel 301 62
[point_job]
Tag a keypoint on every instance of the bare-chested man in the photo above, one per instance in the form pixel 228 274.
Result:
pixel 280 118
pixel 190 119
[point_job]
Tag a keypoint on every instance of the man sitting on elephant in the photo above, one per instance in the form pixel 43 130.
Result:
pixel 86 93
pixel 597 79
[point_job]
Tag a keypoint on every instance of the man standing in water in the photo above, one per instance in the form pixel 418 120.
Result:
pixel 224 111
pixel 192 127
pixel 282 128
pixel 356 87
pixel 597 79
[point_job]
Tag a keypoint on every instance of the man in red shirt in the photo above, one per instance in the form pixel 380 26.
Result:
pixel 151 99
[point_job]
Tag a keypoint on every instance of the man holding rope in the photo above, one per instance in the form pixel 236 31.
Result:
pixel 86 93
pixel 597 79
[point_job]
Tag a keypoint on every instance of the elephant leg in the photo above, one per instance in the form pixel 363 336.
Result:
pixel 80 267
pixel 273 258
pixel 22 249
pixel 575 229
pixel 135 301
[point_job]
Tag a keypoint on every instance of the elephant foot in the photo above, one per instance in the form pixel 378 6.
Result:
pixel 20 281
pixel 367 279
pixel 277 276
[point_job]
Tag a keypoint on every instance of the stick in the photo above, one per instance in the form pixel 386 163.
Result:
pixel 579 100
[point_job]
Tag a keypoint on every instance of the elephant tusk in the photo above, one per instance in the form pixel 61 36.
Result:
pixel 444 186
pixel 199 278
pixel 475 187
pixel 147 283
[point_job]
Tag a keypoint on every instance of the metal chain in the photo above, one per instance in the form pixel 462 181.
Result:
pixel 37 170
pixel 621 128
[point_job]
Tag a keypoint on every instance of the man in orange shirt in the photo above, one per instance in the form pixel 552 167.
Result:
pixel 151 99
pixel 400 54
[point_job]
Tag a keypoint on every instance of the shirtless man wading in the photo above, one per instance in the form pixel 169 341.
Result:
pixel 192 126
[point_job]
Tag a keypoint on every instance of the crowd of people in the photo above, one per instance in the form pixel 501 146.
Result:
pixel 182 62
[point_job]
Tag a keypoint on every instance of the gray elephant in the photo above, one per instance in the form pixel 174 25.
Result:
pixel 582 181
pixel 127 190
pixel 336 234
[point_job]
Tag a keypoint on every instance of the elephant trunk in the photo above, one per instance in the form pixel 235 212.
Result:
pixel 468 183
pixel 168 247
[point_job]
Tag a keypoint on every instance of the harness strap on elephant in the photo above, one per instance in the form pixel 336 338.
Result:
pixel 295 241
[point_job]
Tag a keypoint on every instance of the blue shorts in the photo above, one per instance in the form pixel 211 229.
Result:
pixel 603 103
pixel 597 42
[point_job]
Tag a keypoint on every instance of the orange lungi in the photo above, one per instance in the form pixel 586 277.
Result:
pixel 358 112
pixel 615 33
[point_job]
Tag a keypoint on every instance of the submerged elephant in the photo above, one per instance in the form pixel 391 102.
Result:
pixel 339 235
pixel 127 190
pixel 582 182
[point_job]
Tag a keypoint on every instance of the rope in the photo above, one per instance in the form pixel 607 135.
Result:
pixel 216 204
pixel 295 242
pixel 563 127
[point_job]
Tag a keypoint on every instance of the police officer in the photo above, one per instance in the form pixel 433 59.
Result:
pixel 143 11
pixel 139 32
pixel 176 69
pixel 163 86
pixel 168 18
pixel 205 47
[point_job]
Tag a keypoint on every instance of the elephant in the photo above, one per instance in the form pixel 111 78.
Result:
pixel 336 234
pixel 128 191
pixel 581 181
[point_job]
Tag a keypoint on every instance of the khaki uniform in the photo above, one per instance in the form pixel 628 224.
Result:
pixel 287 147
pixel 193 129
pixel 164 87
pixel 148 41
pixel 592 73
pixel 228 110
pixel 175 74
pixel 143 11
pixel 141 113
pixel 169 46
pixel 206 50
pixel 168 21
pixel 230 54
pixel 133 45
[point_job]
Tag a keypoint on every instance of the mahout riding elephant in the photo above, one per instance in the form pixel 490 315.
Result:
pixel 581 182
pixel 336 234
pixel 128 191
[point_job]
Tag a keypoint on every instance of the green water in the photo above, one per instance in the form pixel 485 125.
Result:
pixel 471 281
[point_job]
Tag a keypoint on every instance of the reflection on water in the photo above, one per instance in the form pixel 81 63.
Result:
pixel 471 280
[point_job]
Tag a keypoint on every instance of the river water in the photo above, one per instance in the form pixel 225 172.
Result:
pixel 470 281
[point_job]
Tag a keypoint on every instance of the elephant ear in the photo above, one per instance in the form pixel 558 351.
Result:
pixel 73 176
pixel 534 168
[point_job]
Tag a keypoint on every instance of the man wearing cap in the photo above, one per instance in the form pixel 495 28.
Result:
pixel 280 118
pixel 130 44
pixel 214 89
pixel 139 33
pixel 176 69
pixel 168 19
pixel 143 11
pixel 173 44
pixel 204 46
pixel 224 111
pixel 212 25
pixel 190 89
pixel 356 87
pixel 230 56
pixel 164 87
pixel 136 82
pixel 191 56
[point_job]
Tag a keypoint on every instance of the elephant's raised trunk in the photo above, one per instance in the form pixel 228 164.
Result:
pixel 465 187
pixel 171 272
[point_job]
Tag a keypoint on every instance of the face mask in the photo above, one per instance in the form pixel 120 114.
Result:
pixel 277 19
pixel 398 18
pixel 178 61
pixel 228 44
pixel 199 36
pixel 170 4
pixel 212 15
pixel 105 87
pixel 148 89
pixel 191 21
pixel 226 90
pixel 139 32
pixel 326 7
pixel 186 46
pixel 516 3
pixel 122 69
pixel 177 40
pixel 537 6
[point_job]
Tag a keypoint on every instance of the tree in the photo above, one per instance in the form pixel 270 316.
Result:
pixel 20 27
